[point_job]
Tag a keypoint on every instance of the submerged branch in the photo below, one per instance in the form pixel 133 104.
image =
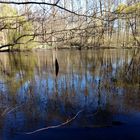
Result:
pixel 9 110
pixel 56 126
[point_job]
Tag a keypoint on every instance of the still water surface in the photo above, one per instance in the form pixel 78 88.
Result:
pixel 104 85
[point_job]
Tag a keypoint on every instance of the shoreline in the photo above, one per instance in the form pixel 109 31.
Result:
pixel 72 48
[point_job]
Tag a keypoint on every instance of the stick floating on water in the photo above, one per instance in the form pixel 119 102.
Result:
pixel 56 126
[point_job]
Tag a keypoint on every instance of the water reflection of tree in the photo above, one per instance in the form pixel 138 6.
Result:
pixel 17 70
pixel 20 69
pixel 132 70
pixel 91 80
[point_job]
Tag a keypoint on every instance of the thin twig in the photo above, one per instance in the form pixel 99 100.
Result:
pixel 56 126
pixel 5 110
pixel 11 110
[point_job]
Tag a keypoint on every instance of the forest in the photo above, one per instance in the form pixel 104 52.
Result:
pixel 69 69
pixel 80 24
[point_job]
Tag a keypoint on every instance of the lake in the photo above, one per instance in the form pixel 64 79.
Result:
pixel 96 95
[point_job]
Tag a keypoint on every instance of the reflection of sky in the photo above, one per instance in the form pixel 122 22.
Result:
pixel 2 87
pixel 44 86
pixel 50 100
pixel 47 86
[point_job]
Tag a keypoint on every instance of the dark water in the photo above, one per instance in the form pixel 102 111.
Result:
pixel 104 85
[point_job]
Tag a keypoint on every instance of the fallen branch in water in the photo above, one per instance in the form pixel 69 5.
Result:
pixel 56 126
pixel 7 111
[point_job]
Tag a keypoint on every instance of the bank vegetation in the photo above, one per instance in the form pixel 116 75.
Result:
pixel 81 24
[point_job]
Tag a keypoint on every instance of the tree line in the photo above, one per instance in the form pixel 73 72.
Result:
pixel 69 24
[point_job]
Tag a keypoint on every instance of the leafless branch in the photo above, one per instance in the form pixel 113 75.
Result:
pixel 56 126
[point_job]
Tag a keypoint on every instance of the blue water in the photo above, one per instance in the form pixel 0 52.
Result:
pixel 103 84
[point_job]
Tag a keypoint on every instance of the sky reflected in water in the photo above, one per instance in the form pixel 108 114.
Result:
pixel 104 84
